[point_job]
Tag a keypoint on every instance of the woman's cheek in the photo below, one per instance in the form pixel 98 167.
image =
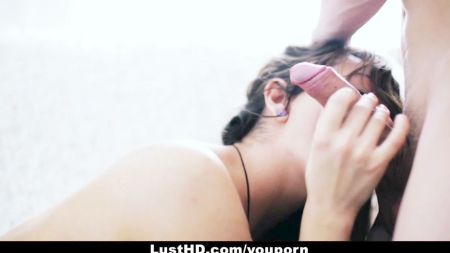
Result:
pixel 306 112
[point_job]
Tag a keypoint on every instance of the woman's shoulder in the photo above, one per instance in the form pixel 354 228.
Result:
pixel 187 184
pixel 169 191
pixel 187 159
pixel 173 166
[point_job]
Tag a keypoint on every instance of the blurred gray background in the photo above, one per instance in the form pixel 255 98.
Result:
pixel 84 82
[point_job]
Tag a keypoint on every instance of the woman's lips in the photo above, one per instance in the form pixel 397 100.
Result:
pixel 304 71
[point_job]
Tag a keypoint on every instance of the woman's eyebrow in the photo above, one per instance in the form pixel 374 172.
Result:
pixel 361 73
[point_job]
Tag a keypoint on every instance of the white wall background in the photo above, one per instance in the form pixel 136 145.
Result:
pixel 83 82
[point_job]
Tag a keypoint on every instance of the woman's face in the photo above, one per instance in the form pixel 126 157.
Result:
pixel 304 111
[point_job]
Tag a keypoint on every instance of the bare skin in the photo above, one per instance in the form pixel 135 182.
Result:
pixel 426 45
pixel 197 192
pixel 131 202
pixel 424 211
pixel 346 141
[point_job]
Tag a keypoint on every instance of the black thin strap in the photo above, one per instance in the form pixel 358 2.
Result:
pixel 263 116
pixel 247 183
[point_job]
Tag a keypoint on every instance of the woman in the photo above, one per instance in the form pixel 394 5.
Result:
pixel 237 191
pixel 391 187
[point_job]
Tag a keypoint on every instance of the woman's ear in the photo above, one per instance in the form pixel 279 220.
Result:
pixel 276 98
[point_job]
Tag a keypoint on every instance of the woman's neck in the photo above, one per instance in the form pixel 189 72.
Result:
pixel 276 181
